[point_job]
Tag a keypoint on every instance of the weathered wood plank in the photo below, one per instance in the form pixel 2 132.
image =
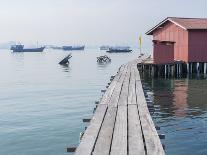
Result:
pixel 116 93
pixel 89 138
pixel 119 142
pixel 122 120
pixel 152 141
pixel 125 89
pixel 135 140
pixel 103 143
pixel 132 94
pixel 137 75
pixel 107 95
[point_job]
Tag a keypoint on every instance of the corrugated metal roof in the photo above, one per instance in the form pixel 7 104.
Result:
pixel 185 23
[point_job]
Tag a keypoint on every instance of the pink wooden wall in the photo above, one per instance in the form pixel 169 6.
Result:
pixel 197 46
pixel 172 32
pixel 163 53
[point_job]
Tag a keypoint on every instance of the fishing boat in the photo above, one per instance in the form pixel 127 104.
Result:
pixel 65 60
pixel 103 59
pixel 119 50
pixel 104 47
pixel 72 48
pixel 20 48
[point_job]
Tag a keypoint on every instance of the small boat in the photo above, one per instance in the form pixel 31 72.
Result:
pixel 104 47
pixel 103 59
pixel 65 60
pixel 119 50
pixel 71 48
pixel 20 48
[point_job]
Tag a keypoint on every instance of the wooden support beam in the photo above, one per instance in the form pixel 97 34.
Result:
pixel 162 136
pixel 204 70
pixel 71 149
pixel 163 145
pixel 157 127
pixel 86 120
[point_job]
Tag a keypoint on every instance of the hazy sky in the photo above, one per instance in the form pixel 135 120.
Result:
pixel 90 22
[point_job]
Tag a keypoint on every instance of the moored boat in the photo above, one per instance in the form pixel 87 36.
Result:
pixel 104 47
pixel 103 59
pixel 119 50
pixel 71 48
pixel 20 48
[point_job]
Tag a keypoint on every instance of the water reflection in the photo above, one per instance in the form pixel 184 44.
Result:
pixel 66 67
pixel 181 97
pixel 181 112
pixel 103 65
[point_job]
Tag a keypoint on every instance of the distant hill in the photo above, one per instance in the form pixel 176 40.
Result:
pixel 7 45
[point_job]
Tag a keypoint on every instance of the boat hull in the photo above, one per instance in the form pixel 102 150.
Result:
pixel 29 50
pixel 71 48
pixel 119 51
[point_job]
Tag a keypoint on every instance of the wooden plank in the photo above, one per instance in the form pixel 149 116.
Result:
pixel 135 140
pixel 116 93
pixel 139 92
pixel 132 94
pixel 103 143
pixel 152 141
pixel 89 138
pixel 116 130
pixel 137 75
pixel 105 99
pixel 119 142
pixel 125 89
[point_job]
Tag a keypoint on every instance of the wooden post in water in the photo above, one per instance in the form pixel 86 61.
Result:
pixel 168 70
pixel 191 68
pixel 165 70
pixel 204 71
pixel 180 69
pixel 153 71
pixel 197 67
pixel 172 70
pixel 187 68
pixel 177 68
pixel 150 67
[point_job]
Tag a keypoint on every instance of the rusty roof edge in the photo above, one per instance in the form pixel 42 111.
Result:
pixel 162 22
pixel 155 27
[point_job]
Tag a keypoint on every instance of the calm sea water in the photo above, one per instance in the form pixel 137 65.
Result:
pixel 181 112
pixel 42 103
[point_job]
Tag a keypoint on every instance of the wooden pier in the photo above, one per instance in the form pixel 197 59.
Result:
pixel 121 124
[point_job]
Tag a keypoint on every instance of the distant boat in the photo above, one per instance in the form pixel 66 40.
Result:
pixel 20 48
pixel 119 50
pixel 104 47
pixel 56 47
pixel 71 48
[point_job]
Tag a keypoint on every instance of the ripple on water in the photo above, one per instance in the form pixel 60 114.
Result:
pixel 181 113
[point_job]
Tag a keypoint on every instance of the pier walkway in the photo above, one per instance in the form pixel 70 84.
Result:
pixel 121 124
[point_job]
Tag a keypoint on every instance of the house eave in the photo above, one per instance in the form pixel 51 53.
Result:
pixel 150 32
